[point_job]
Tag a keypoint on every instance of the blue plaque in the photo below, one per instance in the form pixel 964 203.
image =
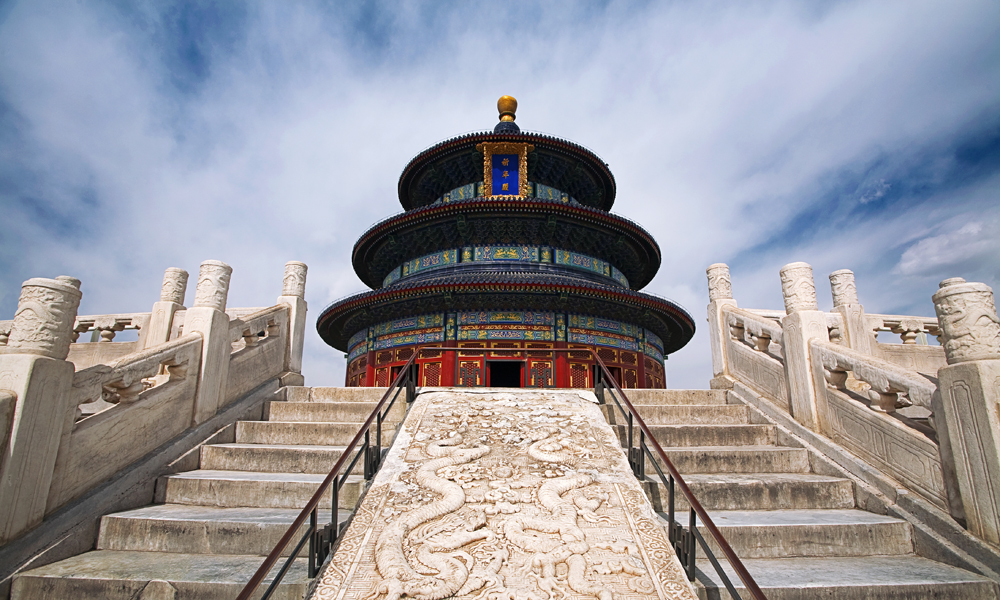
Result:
pixel 505 175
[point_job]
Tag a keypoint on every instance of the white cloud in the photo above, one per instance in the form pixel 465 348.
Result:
pixel 722 124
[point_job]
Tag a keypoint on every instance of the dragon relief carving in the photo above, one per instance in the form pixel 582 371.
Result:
pixel 502 500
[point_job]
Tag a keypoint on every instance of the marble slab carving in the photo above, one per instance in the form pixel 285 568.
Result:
pixel 504 495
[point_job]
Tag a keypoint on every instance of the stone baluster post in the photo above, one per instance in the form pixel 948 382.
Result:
pixel 855 333
pixel 802 322
pixel 720 294
pixel 970 398
pixel 208 318
pixel 293 294
pixel 171 300
pixel 34 370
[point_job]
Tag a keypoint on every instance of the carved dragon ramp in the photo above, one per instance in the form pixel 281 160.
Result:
pixel 504 495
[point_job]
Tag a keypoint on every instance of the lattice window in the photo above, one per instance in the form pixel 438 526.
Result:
pixel 471 345
pixel 539 354
pixel 404 353
pixel 627 358
pixel 607 354
pixel 579 376
pixel 540 374
pixel 363 362
pixel 580 355
pixel 432 374
pixel 382 377
pixel 631 379
pixel 383 358
pixel 537 345
pixel 430 354
pixel 470 373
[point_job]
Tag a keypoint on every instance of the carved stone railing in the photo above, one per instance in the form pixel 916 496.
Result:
pixel 908 328
pixel 108 325
pixel 123 381
pixel 753 349
pixel 254 326
pixel 906 451
pixel 923 415
pixel 124 410
pixel 104 327
pixel 86 411
pixel 258 343
pixel 891 386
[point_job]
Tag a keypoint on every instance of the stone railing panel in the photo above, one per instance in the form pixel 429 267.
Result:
pixel 151 397
pixel 758 332
pixel 892 386
pixel 753 348
pixel 869 431
pixel 899 451
pixel 256 357
pixel 104 350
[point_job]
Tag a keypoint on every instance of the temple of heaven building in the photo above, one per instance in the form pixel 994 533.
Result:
pixel 506 243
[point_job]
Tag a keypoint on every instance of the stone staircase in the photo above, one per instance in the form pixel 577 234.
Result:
pixel 797 530
pixel 793 521
pixel 210 528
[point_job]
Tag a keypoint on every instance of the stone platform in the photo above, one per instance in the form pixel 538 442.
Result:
pixel 493 494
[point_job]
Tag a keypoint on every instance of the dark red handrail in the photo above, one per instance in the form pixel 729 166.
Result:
pixel 406 377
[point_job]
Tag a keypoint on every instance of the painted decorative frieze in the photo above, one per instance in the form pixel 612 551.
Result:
pixel 968 318
pixel 506 495
pixel 46 312
pixel 429 262
pixel 583 262
pixel 518 253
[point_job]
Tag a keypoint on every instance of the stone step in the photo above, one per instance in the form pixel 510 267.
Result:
pixel 849 578
pixel 332 412
pixel 736 459
pixel 713 435
pixel 115 575
pixel 337 394
pixel 675 397
pixel 274 458
pixel 792 533
pixel 185 529
pixel 692 414
pixel 233 489
pixel 757 491
pixel 307 434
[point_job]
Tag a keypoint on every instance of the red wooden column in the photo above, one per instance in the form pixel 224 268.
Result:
pixel 561 366
pixel 370 370
pixel 641 367
pixel 448 363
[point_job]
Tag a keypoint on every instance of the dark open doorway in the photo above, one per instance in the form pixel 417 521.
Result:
pixel 504 373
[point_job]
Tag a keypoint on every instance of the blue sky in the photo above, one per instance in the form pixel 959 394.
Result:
pixel 139 136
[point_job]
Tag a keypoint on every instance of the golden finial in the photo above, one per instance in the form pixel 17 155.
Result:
pixel 507 106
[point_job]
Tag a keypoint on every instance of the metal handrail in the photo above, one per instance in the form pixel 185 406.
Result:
pixel 683 541
pixel 322 540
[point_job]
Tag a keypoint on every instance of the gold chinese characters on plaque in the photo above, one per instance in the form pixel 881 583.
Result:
pixel 505 168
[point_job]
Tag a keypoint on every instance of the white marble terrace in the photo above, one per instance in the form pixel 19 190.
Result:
pixel 73 414
pixel 925 415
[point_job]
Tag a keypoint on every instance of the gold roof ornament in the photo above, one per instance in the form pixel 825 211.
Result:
pixel 507 105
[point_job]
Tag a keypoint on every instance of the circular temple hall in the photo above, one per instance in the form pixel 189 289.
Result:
pixel 506 248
